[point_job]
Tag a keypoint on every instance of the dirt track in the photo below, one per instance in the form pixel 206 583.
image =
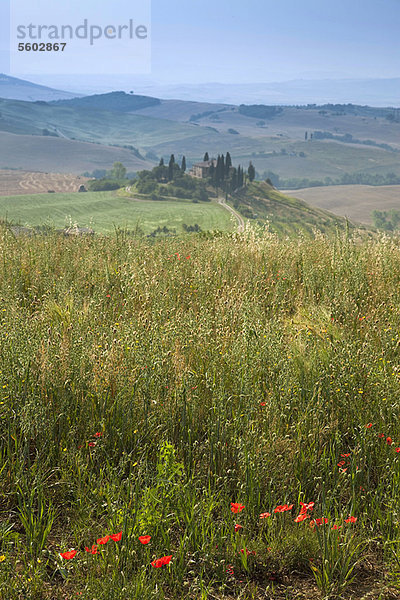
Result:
pixel 15 183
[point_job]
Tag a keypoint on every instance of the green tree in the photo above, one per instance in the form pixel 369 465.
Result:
pixel 161 162
pixel 118 171
pixel 251 172
pixel 171 168
pixel 206 157
pixel 183 166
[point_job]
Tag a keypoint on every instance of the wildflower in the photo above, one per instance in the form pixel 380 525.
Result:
pixel 368 426
pixel 68 555
pixel 229 569
pixel 346 455
pixel 92 550
pixel 2 558
pixel 160 562
pixel 248 552
pixel 103 540
pixel 397 449
pixel 265 515
pixel 283 508
pixel 305 507
pixel 381 435
pixel 116 537
pixel 238 528
pixel 301 517
pixel 263 404
pixel 98 434
pixel 236 507
pixel 389 441
pixel 92 444
pixel 336 527
pixel 351 520
pixel 341 463
pixel 319 522
pixel 144 539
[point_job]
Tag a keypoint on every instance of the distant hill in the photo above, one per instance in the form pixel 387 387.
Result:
pixel 19 89
pixel 115 101
pixel 47 153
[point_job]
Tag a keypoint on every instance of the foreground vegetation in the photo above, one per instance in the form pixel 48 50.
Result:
pixel 181 389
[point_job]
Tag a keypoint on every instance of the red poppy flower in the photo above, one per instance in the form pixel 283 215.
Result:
pixel 144 539
pixel 92 550
pixel 116 537
pixel 301 517
pixel 346 455
pixel 98 434
pixel 368 425
pixel 381 435
pixel 283 508
pixel 351 520
pixel 389 441
pixel 108 295
pixel 397 449
pixel 229 569
pixel 68 555
pixel 265 515
pixel 248 552
pixel 160 562
pixel 263 404
pixel 305 507
pixel 92 444
pixel 336 527
pixel 236 507
pixel 103 540
pixel 238 528
pixel 341 463
pixel 319 522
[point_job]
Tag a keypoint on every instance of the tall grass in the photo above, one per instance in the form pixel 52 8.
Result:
pixel 213 369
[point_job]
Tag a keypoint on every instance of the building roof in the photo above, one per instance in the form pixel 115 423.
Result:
pixel 206 164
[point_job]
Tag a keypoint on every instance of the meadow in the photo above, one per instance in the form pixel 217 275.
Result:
pixel 210 417
pixel 106 211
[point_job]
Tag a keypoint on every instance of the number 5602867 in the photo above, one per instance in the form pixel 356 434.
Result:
pixel 41 47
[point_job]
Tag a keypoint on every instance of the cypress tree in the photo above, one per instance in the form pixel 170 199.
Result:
pixel 206 157
pixel 251 172
pixel 183 167
pixel 161 162
pixel 171 168
pixel 228 163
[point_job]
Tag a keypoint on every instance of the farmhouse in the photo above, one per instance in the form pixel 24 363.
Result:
pixel 202 169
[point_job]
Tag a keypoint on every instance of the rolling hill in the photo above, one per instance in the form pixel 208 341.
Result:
pixel 354 201
pixel 20 89
pixel 44 153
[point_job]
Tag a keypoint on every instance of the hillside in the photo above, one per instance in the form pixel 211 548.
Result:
pixel 20 89
pixel 286 215
pixel 354 201
pixel 44 153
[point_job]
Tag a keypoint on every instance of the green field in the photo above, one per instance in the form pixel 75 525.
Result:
pixel 104 211
pixel 198 391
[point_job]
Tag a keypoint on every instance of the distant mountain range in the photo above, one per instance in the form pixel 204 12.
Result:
pixel 19 89
pixel 374 92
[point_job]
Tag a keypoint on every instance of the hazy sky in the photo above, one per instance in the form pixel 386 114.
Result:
pixel 261 40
